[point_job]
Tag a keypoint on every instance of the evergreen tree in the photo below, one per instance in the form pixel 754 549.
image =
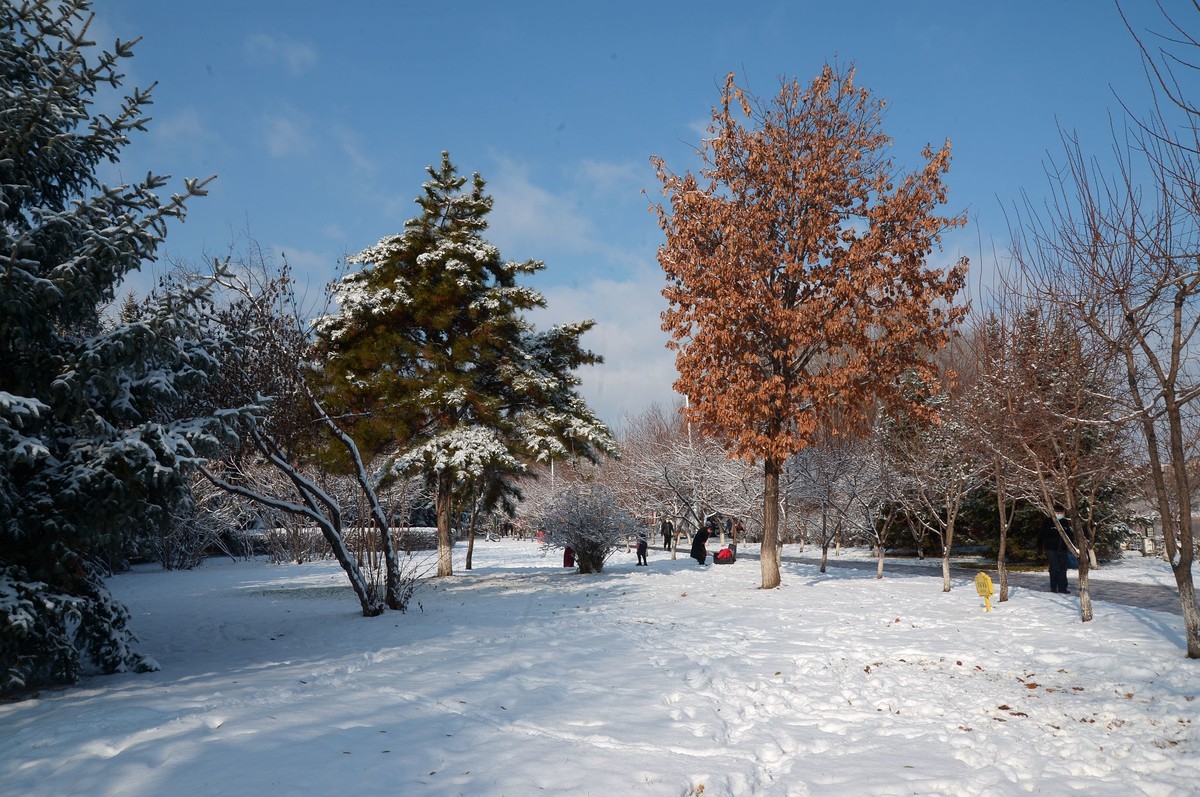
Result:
pixel 431 349
pixel 89 449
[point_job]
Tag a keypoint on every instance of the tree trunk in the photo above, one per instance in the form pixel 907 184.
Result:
pixel 471 533
pixel 392 589
pixel 1002 566
pixel 1085 595
pixel 1005 522
pixel 367 597
pixel 1179 545
pixel 1081 556
pixel 443 501
pixel 1191 616
pixel 824 539
pixel 589 561
pixel 769 554
pixel 948 541
pixel 330 527
pixel 879 561
pixel 1178 539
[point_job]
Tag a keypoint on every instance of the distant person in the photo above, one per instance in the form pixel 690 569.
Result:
pixel 668 531
pixel 699 548
pixel 642 548
pixel 1051 542
pixel 568 557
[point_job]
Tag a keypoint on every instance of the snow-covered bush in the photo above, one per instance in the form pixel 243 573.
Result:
pixel 41 641
pixel 586 518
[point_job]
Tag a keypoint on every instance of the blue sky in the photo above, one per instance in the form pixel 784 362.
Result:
pixel 319 119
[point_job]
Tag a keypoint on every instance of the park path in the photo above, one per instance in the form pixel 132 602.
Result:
pixel 1143 596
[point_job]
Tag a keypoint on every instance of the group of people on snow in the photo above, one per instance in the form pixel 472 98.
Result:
pixel 1050 541
pixel 699 549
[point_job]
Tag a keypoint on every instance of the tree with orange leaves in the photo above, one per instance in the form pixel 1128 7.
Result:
pixel 796 272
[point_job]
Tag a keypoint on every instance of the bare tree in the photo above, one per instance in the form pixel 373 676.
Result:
pixel 1118 252
pixel 826 473
pixel 672 470
pixel 1063 441
pixel 869 485
pixel 994 403
pixel 937 468
pixel 194 528
pixel 265 310
pixel 586 518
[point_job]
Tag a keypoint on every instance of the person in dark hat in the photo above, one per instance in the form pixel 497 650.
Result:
pixel 1054 545
pixel 699 547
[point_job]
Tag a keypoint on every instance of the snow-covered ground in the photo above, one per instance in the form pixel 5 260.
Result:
pixel 523 678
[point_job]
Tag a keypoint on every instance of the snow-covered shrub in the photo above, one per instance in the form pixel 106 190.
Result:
pixel 34 643
pixel 587 519
pixel 44 640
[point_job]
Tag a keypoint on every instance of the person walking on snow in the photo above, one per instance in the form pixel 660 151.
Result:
pixel 642 548
pixel 699 548
pixel 1052 542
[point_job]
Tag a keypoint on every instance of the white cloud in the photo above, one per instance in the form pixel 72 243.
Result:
pixel 529 219
pixel 182 126
pixel 614 178
pixel 286 133
pixel 700 129
pixel 351 146
pixel 626 302
pixel 638 370
pixel 295 57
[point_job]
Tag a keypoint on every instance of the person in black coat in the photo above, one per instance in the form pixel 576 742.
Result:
pixel 699 548
pixel 1057 551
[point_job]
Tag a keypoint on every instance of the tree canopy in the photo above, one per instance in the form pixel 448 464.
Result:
pixel 797 274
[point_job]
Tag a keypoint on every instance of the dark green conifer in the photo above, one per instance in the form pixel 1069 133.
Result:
pixel 432 349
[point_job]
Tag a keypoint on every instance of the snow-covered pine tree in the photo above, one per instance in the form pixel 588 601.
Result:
pixel 90 448
pixel 432 350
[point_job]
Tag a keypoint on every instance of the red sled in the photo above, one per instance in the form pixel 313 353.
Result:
pixel 724 557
